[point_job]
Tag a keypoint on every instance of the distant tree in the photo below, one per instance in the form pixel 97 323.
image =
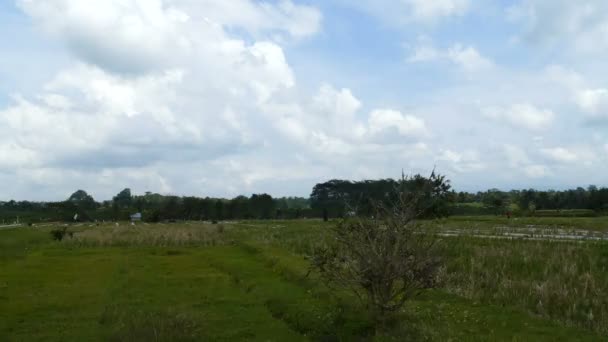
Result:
pixel 262 206
pixel 123 198
pixel 340 196
pixel 496 200
pixel 82 200
pixel 171 209
pixel 219 210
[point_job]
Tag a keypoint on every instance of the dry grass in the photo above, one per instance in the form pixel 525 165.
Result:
pixel 563 281
pixel 150 235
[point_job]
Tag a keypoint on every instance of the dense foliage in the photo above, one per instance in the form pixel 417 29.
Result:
pixel 532 201
pixel 155 207
pixel 335 198
pixel 341 198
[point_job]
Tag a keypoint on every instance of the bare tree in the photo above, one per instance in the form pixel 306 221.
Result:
pixel 385 259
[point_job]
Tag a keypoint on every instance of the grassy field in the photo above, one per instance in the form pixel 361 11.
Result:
pixel 251 281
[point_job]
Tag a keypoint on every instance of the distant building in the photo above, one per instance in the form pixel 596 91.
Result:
pixel 136 217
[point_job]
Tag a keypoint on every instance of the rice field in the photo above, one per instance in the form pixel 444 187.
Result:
pixel 251 280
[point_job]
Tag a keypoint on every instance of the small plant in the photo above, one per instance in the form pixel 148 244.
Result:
pixel 59 234
pixel 220 229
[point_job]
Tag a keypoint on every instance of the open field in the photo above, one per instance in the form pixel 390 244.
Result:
pixel 251 281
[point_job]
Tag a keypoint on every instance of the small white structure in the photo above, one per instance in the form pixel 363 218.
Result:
pixel 136 217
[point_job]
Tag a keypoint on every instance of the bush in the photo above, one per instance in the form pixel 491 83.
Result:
pixel 59 234
pixel 384 260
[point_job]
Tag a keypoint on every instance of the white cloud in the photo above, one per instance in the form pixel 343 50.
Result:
pixel 594 102
pixel 412 11
pixel 462 162
pixel 522 115
pixel 580 27
pixel 451 156
pixel 130 36
pixel 382 120
pixel 536 171
pixel 516 155
pixel 178 95
pixel 258 17
pixel 519 160
pixel 152 80
pixel 466 58
pixel 13 155
pixel 430 10
pixel 425 54
pixel 337 106
pixel 331 124
pixel 134 36
pixel 582 155
pixel 560 154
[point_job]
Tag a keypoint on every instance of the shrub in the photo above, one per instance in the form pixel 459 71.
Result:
pixel 59 234
pixel 384 260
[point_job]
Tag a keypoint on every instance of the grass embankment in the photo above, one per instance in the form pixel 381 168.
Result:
pixel 249 282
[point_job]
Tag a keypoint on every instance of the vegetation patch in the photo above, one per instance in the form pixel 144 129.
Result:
pixel 125 325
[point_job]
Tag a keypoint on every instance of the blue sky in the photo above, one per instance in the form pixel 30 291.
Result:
pixel 221 98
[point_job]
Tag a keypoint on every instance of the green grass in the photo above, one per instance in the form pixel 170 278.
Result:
pixel 192 282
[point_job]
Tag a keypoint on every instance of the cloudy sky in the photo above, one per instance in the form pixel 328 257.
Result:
pixel 228 97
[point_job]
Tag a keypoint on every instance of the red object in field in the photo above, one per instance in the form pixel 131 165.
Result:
pixel 508 214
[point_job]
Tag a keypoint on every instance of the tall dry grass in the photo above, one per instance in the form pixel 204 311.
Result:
pixel 150 235
pixel 565 281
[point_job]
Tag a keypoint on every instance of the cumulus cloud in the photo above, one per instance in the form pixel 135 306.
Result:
pixel 412 11
pixel 519 160
pixel 162 89
pixel 536 171
pixel 462 162
pixel 331 123
pixel 564 23
pixel 137 36
pixel 594 102
pixel 516 156
pixel 467 58
pixel 430 10
pixel 591 100
pixel 259 17
pixel 179 95
pixel 521 115
pixel 580 154
pixel 383 120
pixel 560 154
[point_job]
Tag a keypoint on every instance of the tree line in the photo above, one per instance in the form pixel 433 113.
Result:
pixel 81 206
pixel 529 201
pixel 331 199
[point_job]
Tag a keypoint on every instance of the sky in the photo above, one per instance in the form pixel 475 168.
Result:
pixel 221 98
